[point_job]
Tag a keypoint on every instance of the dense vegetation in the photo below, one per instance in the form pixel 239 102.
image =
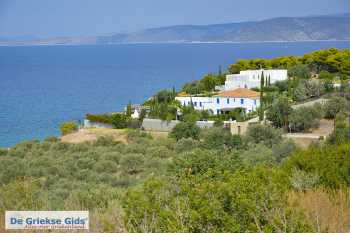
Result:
pixel 216 183
pixel 329 66
pixel 197 180
pixel 117 120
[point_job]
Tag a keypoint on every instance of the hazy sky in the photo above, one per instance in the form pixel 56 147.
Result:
pixel 95 17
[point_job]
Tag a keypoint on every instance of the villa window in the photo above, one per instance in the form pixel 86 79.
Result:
pixel 228 100
pixel 195 104
pixel 217 100
pixel 218 111
pixel 200 104
pixel 242 101
pixel 254 102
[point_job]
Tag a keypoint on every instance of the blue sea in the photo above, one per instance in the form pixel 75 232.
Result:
pixel 43 86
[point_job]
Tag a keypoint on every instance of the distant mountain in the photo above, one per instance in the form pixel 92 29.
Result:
pixel 310 28
pixel 18 38
pixel 330 27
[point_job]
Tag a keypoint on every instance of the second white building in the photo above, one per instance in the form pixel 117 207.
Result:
pixel 251 78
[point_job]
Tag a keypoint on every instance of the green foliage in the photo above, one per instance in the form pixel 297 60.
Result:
pixel 279 111
pixel 218 138
pixel 299 71
pixel 100 118
pixel 305 118
pixel 119 120
pixel 256 155
pixel 21 194
pixel 325 75
pixel 185 130
pixel 331 60
pixel 336 105
pixel 264 134
pixel 308 89
pixel 163 105
pixel 283 150
pixel 230 203
pixel 201 161
pixel 282 86
pixel 68 127
pixel 331 164
pixel 193 88
pixel 81 176
pixel 128 110
pixel 206 84
pixel 261 109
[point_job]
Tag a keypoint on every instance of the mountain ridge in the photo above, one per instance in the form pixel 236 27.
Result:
pixel 289 29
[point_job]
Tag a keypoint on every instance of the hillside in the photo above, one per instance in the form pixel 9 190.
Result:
pixel 331 27
pixel 311 28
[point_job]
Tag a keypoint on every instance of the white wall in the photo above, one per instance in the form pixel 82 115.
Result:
pixel 212 104
pixel 251 78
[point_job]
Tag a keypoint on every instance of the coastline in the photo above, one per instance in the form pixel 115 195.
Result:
pixel 163 42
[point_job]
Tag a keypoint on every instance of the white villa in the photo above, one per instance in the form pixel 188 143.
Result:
pixel 224 102
pixel 251 79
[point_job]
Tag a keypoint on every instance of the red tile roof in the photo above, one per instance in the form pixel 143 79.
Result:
pixel 240 92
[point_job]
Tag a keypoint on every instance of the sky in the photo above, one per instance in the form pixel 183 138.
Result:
pixel 50 18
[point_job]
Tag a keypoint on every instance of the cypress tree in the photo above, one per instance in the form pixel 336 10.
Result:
pixel 262 81
pixel 174 92
pixel 128 109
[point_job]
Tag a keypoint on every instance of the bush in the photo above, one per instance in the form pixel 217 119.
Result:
pixel 119 120
pixel 132 163
pixel 330 163
pixel 186 144
pixel 185 130
pixel 68 127
pixel 304 118
pixel 308 89
pixel 217 138
pixel 279 111
pixel 264 134
pixel 256 155
pixel 336 105
pixel 283 150
pixel 299 71
pixel 100 118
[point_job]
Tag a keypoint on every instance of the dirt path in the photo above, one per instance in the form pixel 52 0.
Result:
pixel 91 134
pixel 303 140
pixel 87 135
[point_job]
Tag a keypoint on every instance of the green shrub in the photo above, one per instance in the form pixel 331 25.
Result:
pixel 330 163
pixel 119 121
pixel 336 105
pixel 305 118
pixel 132 163
pixel 217 138
pixel 264 134
pixel 68 127
pixel 185 130
pixel 279 111
pixel 100 118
